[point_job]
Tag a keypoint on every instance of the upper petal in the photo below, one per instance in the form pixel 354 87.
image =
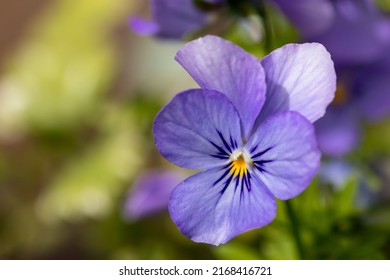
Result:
pixel 177 18
pixel 301 78
pixel 212 210
pixel 284 153
pixel 198 129
pixel 220 65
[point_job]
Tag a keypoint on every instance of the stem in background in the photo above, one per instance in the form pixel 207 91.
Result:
pixel 295 229
pixel 260 9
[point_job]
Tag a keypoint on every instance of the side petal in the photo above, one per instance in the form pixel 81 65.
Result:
pixel 301 78
pixel 198 129
pixel 220 65
pixel 284 153
pixel 212 210
pixel 177 18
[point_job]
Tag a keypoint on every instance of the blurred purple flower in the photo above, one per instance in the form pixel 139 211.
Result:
pixel 362 95
pixel 249 128
pixel 150 193
pixel 172 18
pixel 335 172
pixel 338 132
pixel 353 31
pixel 371 88
pixel 358 37
pixel 309 16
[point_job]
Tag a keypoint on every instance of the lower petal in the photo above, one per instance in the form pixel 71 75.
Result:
pixel 213 206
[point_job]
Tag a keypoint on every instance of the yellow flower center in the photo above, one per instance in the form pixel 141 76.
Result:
pixel 238 167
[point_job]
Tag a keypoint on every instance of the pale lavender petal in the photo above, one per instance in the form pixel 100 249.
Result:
pixel 198 129
pixel 220 65
pixel 359 32
pixel 301 78
pixel 212 210
pixel 338 132
pixel 142 26
pixel 285 154
pixel 150 193
pixel 177 18
pixel 309 16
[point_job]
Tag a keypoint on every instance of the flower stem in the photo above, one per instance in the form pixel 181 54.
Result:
pixel 295 229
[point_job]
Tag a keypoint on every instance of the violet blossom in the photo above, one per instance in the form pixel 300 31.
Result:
pixel 150 193
pixel 172 18
pixel 353 31
pixel 248 128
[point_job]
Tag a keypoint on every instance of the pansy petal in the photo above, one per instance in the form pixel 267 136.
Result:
pixel 217 64
pixel 338 132
pixel 150 193
pixel 198 129
pixel 212 210
pixel 309 16
pixel 284 153
pixel 301 78
pixel 177 18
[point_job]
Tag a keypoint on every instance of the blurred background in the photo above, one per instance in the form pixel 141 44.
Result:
pixel 78 94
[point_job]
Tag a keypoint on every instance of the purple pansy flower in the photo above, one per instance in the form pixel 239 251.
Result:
pixel 150 193
pixel 172 18
pixel 249 128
